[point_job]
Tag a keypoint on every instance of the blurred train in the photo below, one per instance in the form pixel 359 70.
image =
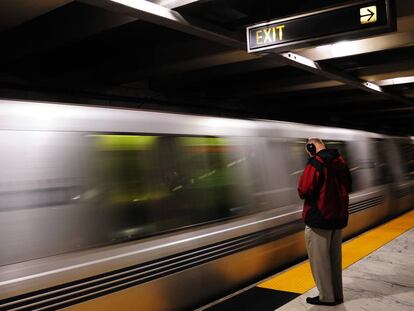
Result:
pixel 118 209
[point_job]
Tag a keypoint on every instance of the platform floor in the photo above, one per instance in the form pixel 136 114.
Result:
pixel 382 281
pixel 378 275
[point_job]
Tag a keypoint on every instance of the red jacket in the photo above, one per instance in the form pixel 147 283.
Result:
pixel 325 185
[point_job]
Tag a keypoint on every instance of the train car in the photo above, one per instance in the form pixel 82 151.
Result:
pixel 105 208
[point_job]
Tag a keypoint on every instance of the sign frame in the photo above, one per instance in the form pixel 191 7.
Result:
pixel 391 25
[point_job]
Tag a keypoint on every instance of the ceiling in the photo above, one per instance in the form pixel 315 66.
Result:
pixel 190 56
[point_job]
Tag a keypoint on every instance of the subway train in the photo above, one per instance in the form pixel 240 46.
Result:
pixel 120 209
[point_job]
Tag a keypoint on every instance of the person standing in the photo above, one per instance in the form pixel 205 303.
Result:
pixel 325 186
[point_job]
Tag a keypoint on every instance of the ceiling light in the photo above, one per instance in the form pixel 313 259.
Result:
pixel 396 81
pixel 343 48
pixel 300 59
pixel 373 86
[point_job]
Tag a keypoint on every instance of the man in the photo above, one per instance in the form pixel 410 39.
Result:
pixel 325 185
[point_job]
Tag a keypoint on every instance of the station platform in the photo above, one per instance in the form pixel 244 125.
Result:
pixel 378 275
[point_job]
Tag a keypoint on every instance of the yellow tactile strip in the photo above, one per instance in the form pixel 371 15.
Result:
pixel 299 278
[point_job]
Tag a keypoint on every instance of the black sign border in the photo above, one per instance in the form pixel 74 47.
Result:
pixel 284 47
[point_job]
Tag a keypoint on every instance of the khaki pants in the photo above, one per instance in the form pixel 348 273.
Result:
pixel 325 256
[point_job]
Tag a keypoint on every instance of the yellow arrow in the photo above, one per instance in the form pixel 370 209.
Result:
pixel 368 14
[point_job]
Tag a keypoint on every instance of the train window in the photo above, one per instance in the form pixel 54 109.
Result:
pixel 124 182
pixel 407 155
pixel 211 177
pixel 298 157
pixel 354 167
pixel 151 184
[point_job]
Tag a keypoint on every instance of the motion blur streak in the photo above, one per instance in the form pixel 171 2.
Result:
pixel 106 206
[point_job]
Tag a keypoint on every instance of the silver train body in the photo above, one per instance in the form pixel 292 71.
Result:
pixel 112 209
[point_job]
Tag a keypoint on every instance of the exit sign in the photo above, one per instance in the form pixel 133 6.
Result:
pixel 349 21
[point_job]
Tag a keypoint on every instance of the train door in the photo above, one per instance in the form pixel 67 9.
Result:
pixel 280 190
pixel 382 177
pixel 405 189
pixel 42 184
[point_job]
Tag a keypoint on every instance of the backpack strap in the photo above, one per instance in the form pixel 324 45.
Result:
pixel 319 159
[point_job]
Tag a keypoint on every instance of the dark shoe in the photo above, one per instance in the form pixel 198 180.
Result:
pixel 339 301
pixel 316 301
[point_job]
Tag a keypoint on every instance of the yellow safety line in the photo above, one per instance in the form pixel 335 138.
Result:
pixel 299 278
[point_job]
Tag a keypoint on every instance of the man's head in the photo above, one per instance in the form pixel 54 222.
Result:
pixel 314 145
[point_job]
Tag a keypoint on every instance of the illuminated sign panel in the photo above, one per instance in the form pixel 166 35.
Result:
pixel 353 20
pixel 368 14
